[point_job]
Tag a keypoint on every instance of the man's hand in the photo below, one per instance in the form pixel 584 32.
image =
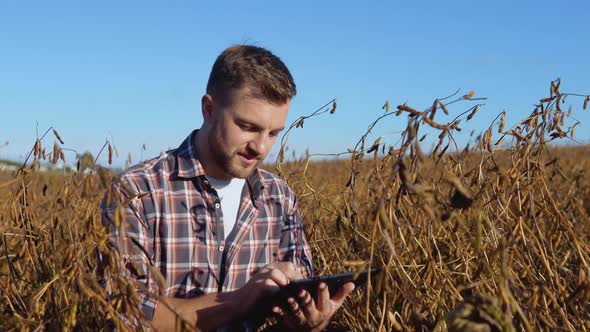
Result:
pixel 305 313
pixel 267 282
pixel 211 311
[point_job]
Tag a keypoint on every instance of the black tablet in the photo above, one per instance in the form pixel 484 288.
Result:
pixel 334 283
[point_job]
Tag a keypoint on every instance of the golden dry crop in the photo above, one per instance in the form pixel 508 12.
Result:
pixel 492 237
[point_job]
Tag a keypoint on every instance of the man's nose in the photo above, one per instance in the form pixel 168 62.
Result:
pixel 261 144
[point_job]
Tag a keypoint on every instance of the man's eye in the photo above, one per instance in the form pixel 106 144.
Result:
pixel 274 134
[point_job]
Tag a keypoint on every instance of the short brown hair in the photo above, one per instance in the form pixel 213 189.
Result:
pixel 246 64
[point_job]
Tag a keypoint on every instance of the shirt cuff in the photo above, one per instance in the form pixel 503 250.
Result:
pixel 148 306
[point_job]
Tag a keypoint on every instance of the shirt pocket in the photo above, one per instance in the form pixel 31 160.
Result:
pixel 197 265
pixel 260 245
pixel 286 246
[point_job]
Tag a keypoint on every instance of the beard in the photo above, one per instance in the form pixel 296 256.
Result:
pixel 229 161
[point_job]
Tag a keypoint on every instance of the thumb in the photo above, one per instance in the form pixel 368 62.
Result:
pixel 342 293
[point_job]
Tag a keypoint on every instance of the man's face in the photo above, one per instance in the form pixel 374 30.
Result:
pixel 242 133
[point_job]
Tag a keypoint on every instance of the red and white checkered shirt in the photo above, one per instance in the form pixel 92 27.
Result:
pixel 176 226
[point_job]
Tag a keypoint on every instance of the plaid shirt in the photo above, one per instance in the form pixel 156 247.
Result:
pixel 174 223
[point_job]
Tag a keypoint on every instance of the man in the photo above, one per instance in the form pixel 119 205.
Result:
pixel 223 233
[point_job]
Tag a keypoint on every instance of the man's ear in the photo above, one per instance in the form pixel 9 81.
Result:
pixel 207 107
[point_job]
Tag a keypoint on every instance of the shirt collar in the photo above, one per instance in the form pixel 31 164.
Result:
pixel 189 167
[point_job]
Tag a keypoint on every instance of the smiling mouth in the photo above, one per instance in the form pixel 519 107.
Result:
pixel 248 159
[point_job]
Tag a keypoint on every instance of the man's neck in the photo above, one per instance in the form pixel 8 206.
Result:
pixel 217 183
pixel 204 155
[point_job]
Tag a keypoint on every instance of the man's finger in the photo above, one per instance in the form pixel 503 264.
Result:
pixel 296 311
pixel 308 305
pixel 323 301
pixel 278 311
pixel 289 269
pixel 342 293
pixel 278 277
pixel 291 322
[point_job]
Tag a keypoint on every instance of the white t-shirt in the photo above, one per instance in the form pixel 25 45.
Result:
pixel 230 194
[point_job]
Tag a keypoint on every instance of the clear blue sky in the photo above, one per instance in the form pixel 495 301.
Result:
pixel 134 71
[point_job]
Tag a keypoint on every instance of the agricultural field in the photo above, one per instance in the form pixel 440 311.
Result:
pixel 489 237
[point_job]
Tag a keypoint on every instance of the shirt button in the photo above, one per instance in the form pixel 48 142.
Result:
pixel 220 248
pixel 217 205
